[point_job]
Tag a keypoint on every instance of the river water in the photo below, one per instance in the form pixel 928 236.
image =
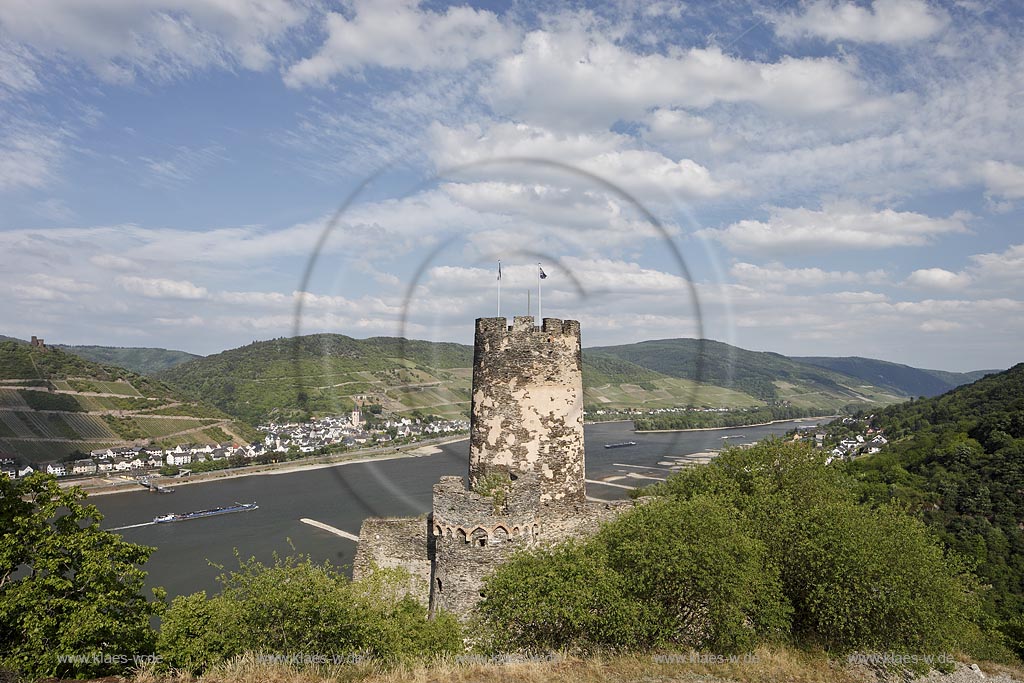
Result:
pixel 187 553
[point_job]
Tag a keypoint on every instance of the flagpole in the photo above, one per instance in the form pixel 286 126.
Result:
pixel 499 288
pixel 540 300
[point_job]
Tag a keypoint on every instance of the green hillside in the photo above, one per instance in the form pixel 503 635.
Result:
pixel 895 376
pixel 958 460
pixel 54 405
pixel 768 377
pixel 145 361
pixel 325 373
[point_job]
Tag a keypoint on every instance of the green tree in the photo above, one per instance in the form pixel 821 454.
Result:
pixel 760 544
pixel 66 586
pixel 297 607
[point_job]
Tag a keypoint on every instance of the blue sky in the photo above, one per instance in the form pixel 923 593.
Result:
pixel 838 178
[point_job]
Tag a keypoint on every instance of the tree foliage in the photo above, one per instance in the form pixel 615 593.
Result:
pixel 957 461
pixel 762 544
pixel 732 418
pixel 299 608
pixel 67 588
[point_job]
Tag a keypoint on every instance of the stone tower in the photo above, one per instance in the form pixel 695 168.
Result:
pixel 526 470
pixel 527 408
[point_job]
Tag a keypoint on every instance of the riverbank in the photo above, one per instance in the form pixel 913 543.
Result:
pixel 753 424
pixel 103 487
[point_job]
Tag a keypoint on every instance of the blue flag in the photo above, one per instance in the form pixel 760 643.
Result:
pixel 499 270
pixel 542 273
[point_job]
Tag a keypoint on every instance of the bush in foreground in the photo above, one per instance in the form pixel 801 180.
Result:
pixel 297 608
pixel 762 544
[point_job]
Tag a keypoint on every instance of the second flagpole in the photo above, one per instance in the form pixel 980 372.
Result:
pixel 540 300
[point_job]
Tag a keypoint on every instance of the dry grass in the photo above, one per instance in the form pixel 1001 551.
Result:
pixel 767 666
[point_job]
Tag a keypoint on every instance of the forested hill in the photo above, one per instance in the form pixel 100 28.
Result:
pixel 146 361
pixel 959 460
pixel 903 378
pixel 289 378
pixel 756 373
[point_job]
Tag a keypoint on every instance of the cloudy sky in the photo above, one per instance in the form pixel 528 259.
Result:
pixel 819 178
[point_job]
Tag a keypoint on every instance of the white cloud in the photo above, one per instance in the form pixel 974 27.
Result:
pixel 646 173
pixel 672 125
pixel 16 68
pixel 1003 179
pixel 938 278
pixel 113 262
pixel 886 21
pixel 397 34
pixel 29 156
pixel 776 275
pixel 37 293
pixel 570 80
pixel 840 225
pixel 164 38
pixel 184 164
pixel 1006 266
pixel 160 288
pixel 939 325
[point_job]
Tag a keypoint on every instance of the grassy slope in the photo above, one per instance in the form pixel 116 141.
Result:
pixel 764 665
pixel 54 404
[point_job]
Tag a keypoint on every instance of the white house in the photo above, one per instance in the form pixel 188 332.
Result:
pixel 84 466
pixel 178 458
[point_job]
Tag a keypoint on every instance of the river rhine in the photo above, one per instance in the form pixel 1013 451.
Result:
pixel 187 552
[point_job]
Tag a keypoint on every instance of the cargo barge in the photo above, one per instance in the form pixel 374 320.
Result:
pixel 175 517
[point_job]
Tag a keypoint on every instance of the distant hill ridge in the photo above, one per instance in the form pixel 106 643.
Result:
pixel 287 377
pixel 330 372
pixel 143 360
pixel 908 380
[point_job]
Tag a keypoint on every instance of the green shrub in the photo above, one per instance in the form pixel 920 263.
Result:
pixel 692 563
pixel 296 607
pixel 566 597
pixel 759 544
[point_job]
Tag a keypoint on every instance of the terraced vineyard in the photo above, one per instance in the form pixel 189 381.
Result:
pixel 54 406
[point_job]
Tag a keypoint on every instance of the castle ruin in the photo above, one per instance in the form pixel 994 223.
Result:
pixel 526 470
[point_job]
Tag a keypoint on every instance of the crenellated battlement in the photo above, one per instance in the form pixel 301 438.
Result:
pixel 495 329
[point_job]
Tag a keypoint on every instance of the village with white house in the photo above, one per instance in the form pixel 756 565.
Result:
pixel 281 441
pixel 860 439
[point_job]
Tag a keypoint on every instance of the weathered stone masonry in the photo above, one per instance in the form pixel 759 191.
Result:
pixel 527 413
pixel 526 469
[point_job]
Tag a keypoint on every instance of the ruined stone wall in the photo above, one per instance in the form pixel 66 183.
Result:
pixel 474 534
pixel 406 543
pixel 527 405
